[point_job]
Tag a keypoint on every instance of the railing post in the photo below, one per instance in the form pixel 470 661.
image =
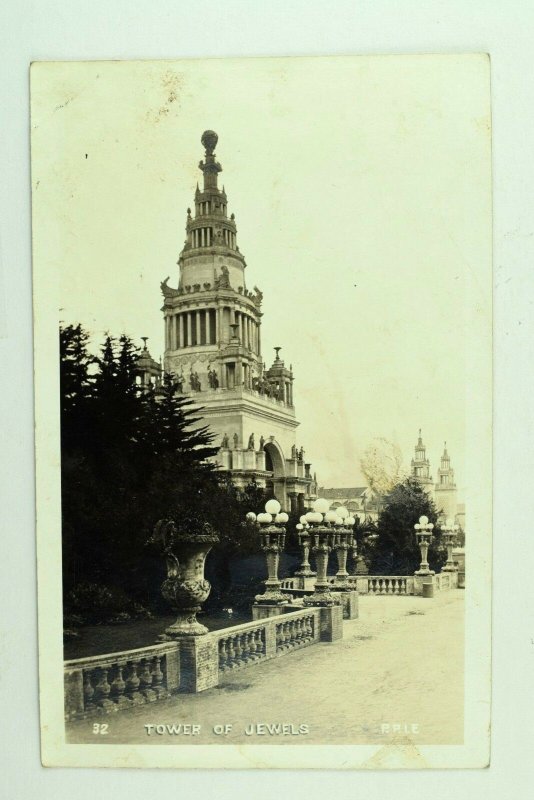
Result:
pixel 331 623
pixel 74 693
pixel 199 663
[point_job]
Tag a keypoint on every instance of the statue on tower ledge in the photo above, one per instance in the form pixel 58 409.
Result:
pixel 194 381
pixel 213 380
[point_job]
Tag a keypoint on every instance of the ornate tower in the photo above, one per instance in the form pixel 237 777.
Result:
pixel 213 347
pixel 445 490
pixel 421 466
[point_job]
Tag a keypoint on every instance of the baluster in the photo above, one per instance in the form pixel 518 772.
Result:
pixel 146 676
pixel 118 686
pixel 88 690
pixel 290 634
pixel 279 637
pixel 238 649
pixel 231 652
pixel 133 682
pixel 260 644
pixel 250 645
pixel 296 632
pixel 223 656
pixel 310 622
pixel 285 636
pixel 146 681
pixel 245 652
pixel 292 631
pixel 300 631
pixel 157 677
pixel 103 689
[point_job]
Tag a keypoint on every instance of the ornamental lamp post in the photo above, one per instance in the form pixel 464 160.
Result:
pixel 343 539
pixel 303 533
pixel 450 531
pixel 271 525
pixel 321 537
pixel 423 532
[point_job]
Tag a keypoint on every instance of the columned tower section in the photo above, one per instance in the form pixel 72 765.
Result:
pixel 213 348
pixel 421 466
pixel 212 315
pixel 445 491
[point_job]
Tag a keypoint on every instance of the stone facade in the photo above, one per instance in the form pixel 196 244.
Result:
pixel 213 348
pixel 361 501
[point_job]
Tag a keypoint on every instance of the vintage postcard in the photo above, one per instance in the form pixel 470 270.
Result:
pixel 262 302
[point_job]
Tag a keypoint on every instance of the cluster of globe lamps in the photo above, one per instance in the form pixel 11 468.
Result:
pixel 325 529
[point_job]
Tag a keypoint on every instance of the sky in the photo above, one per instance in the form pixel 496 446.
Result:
pixel 361 189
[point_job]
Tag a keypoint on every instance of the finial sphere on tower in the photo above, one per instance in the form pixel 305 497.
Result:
pixel 209 140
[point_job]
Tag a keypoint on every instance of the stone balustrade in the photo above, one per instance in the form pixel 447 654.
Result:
pixel 383 585
pixel 111 682
pixel 271 637
pixel 116 681
pixel 288 583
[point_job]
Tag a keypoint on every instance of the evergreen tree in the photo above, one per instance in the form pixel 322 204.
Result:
pixel 396 551
pixel 76 385
pixel 130 456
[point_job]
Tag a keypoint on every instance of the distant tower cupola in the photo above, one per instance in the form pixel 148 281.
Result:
pixel 420 466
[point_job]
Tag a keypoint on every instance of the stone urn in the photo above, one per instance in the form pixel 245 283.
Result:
pixel 185 587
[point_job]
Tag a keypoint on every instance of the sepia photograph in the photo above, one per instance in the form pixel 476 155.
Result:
pixel 263 392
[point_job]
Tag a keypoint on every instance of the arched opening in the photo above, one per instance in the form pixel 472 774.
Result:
pixel 275 464
pixel 269 466
pixel 274 460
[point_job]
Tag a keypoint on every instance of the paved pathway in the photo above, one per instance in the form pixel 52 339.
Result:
pixel 399 664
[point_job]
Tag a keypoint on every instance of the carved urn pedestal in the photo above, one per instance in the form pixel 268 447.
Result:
pixel 185 587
